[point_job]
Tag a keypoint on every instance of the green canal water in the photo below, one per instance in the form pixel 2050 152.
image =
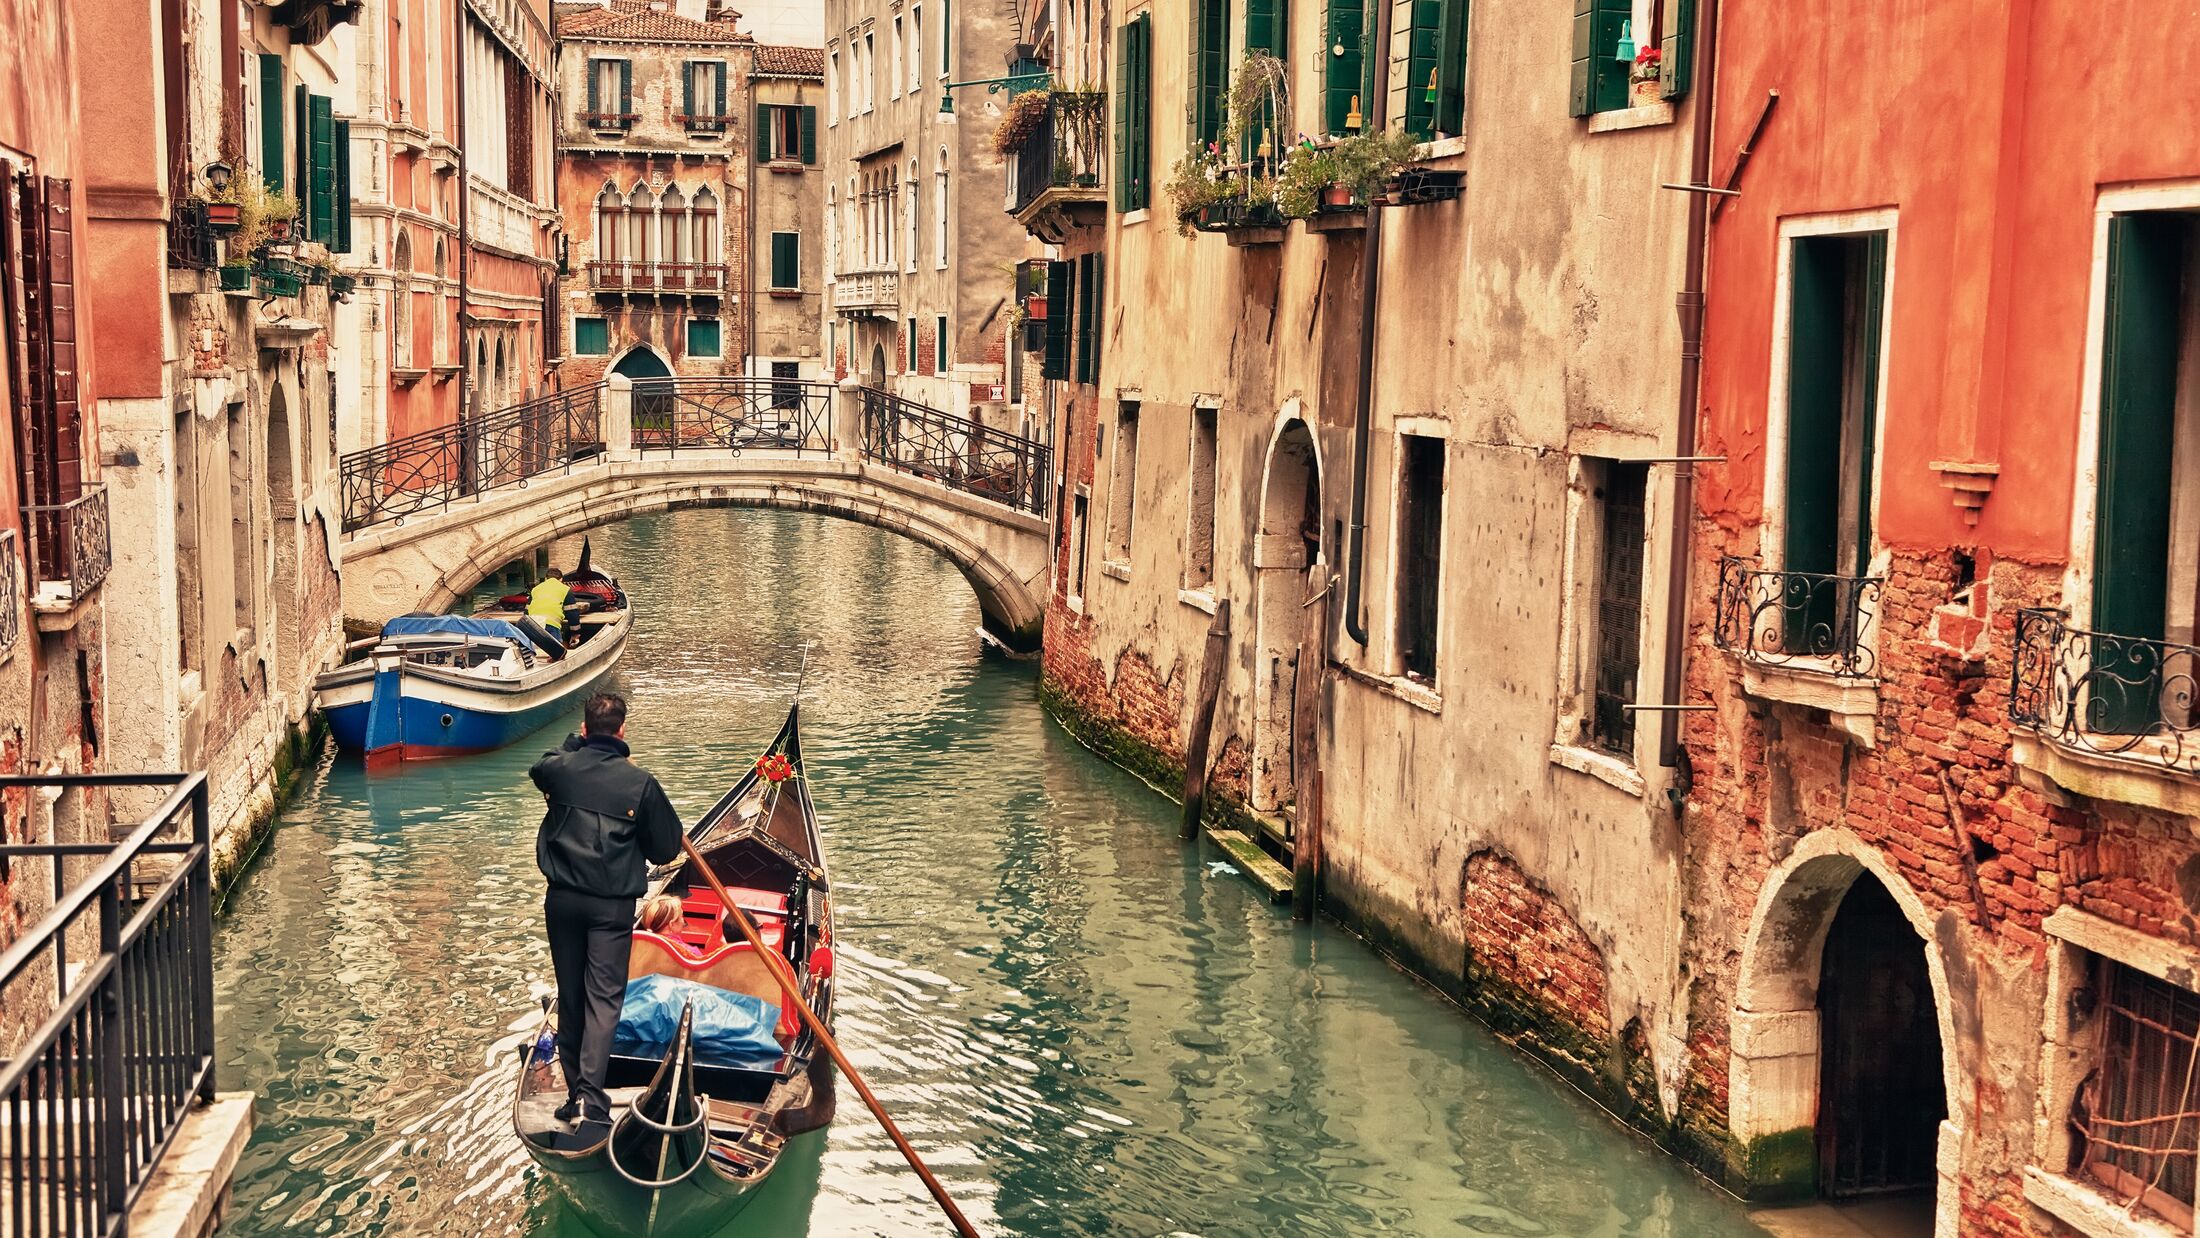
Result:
pixel 1083 1026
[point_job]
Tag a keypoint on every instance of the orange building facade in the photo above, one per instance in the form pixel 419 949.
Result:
pixel 1944 770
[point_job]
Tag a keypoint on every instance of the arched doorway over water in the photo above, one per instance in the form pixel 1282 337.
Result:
pixel 652 399
pixel 1287 563
pixel 1880 1096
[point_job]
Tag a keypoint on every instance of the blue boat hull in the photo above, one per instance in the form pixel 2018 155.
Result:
pixel 424 728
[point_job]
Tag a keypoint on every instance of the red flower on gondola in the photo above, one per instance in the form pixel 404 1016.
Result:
pixel 774 768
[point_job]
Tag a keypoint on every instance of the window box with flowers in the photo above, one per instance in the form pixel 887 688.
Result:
pixel 1645 83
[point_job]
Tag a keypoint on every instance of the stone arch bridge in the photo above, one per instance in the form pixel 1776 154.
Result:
pixel 430 516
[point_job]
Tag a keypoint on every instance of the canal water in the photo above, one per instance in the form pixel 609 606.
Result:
pixel 1087 1028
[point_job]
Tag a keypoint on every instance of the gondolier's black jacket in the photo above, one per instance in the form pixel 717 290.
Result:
pixel 607 821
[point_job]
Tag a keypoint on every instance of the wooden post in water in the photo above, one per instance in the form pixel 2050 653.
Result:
pixel 1203 718
pixel 1306 706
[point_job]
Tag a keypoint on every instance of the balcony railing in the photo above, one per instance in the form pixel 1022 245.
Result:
pixel 860 294
pixel 680 279
pixel 739 413
pixel 1805 620
pixel 11 591
pixel 435 467
pixel 1068 151
pixel 956 452
pixel 70 550
pixel 190 239
pixel 120 1043
pixel 2122 696
pixel 705 123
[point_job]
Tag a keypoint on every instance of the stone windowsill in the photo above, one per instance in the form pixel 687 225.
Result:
pixel 2162 959
pixel 1441 148
pixel 1116 568
pixel 2130 778
pixel 1602 766
pixel 2087 1210
pixel 1131 218
pixel 1851 702
pixel 58 610
pixel 1075 603
pixel 1646 116
pixel 1197 599
pixel 1399 687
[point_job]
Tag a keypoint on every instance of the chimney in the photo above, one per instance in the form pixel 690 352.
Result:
pixel 716 11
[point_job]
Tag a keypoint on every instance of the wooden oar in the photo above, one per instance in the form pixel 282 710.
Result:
pixel 784 974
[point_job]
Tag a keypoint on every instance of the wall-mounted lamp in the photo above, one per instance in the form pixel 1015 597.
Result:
pixel 217 176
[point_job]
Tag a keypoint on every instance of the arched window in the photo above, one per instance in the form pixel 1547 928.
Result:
pixel 401 298
pixel 909 218
pixel 610 212
pixel 636 244
pixel 704 214
pixel 439 309
pixel 832 236
pixel 939 213
pixel 676 240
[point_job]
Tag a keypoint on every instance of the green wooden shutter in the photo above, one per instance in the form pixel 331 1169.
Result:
pixel 1125 54
pixel 764 151
pixel 687 88
pixel 2131 524
pixel 718 90
pixel 1133 91
pixel 626 88
pixel 1451 69
pixel 1267 26
pixel 1599 81
pixel 809 134
pixel 1142 118
pixel 1814 407
pixel 272 154
pixel 1677 61
pixel 786 260
pixel 343 187
pixel 1424 18
pixel 302 138
pixel 1343 28
pixel 1090 328
pixel 1208 76
pixel 1081 364
pixel 595 100
pixel 323 124
pixel 1872 299
pixel 1061 285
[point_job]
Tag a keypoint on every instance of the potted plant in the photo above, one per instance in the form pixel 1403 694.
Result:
pixel 1026 112
pixel 237 275
pixel 1344 176
pixel 1197 186
pixel 1643 82
pixel 1035 307
pixel 257 210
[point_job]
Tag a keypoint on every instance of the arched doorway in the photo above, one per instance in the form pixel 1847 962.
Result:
pixel 875 375
pixel 1286 568
pixel 1881 1099
pixel 652 397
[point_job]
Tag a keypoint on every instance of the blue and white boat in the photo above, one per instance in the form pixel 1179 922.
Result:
pixel 448 685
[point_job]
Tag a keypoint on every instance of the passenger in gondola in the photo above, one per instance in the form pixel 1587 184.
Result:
pixel 662 913
pixel 607 821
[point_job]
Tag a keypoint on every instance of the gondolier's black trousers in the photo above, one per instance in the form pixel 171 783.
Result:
pixel 590 939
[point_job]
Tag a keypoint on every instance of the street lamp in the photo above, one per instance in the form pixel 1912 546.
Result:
pixel 1015 83
pixel 217 177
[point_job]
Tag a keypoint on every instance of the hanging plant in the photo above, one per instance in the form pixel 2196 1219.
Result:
pixel 1196 183
pixel 1026 112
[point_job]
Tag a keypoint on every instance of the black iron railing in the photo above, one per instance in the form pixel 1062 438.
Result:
pixel 11 591
pixel 116 1045
pixel 435 467
pixel 2099 692
pixel 69 542
pixel 739 413
pixel 1067 150
pixel 956 452
pixel 1807 620
pixel 190 240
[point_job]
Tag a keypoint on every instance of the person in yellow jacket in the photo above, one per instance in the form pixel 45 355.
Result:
pixel 546 602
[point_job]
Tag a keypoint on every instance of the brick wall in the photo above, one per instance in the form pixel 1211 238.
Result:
pixel 1524 948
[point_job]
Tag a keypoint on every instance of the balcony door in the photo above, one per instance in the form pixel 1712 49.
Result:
pixel 1836 307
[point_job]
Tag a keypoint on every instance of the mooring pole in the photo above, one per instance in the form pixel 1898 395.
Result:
pixel 1203 718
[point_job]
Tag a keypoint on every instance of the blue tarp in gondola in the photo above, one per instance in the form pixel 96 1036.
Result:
pixel 452 625
pixel 730 1029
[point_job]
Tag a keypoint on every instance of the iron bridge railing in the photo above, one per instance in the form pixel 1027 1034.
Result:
pixel 956 452
pixel 734 413
pixel 70 543
pixel 1808 620
pixel 2122 696
pixel 507 447
pixel 115 989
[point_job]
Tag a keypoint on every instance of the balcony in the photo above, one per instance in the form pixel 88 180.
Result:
pixel 11 592
pixel 1058 179
pixel 2106 716
pixel 70 555
pixel 609 122
pixel 704 126
pixel 656 279
pixel 504 220
pixel 1804 638
pixel 190 238
pixel 867 294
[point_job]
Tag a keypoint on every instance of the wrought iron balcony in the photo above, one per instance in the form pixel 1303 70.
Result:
pixel 867 294
pixel 1804 620
pixel 190 239
pixel 672 279
pixel 11 591
pixel 70 550
pixel 610 120
pixel 2120 696
pixel 113 991
pixel 1064 160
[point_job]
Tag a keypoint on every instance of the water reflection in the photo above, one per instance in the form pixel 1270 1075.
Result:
pixel 1083 1029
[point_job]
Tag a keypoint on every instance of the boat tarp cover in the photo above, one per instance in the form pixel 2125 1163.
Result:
pixel 453 625
pixel 731 1029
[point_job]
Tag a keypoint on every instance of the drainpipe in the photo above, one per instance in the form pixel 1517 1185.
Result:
pixel 1355 623
pixel 1691 304
pixel 465 223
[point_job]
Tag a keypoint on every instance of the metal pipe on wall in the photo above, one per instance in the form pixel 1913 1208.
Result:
pixel 1371 260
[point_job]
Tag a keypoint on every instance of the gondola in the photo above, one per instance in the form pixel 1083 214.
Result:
pixel 450 685
pixel 690 1137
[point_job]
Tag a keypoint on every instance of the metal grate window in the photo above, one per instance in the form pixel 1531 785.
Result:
pixel 1420 552
pixel 2138 1117
pixel 1619 607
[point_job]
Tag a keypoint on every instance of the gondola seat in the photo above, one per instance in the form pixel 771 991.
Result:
pixel 734 968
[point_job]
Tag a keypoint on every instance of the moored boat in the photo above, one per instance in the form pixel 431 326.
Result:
pixel 692 1134
pixel 448 685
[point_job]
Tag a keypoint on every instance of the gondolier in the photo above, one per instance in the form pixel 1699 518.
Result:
pixel 606 822
pixel 546 601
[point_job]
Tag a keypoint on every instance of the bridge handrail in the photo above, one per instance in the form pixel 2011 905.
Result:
pixel 430 468
pixel 957 452
pixel 733 412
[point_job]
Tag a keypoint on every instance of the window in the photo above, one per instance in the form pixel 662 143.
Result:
pixel 2146 528
pixel 439 307
pixel 893 63
pixel 702 221
pixel 787 384
pixel 1123 483
pixel 939 344
pixel 1061 283
pixel 1079 549
pixel 1834 311
pixel 1610 39
pixel 591 337
pixel 610 93
pixel 2131 1137
pixel 1133 115
pixel 609 221
pixel 832 89
pixel 1619 489
pixel 1266 28
pixel 401 299
pixel 786 133
pixel 1420 552
pixel 909 219
pixel 786 261
pixel 1435 65
pixel 1089 290
pixel 272 148
pixel 1343 81
pixel 915 350
pixel 703 94
pixel 39 349
pixel 702 338
pixel 939 213
pixel 916 49
pixel 870 71
pixel 1199 531
pixel 1210 69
